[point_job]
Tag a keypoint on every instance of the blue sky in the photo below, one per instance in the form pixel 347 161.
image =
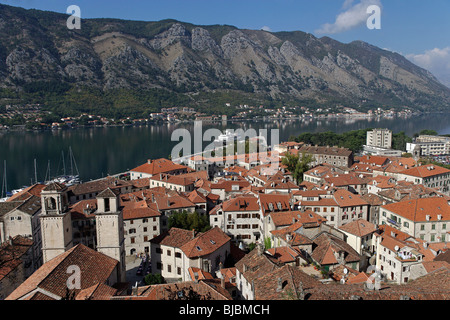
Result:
pixel 417 29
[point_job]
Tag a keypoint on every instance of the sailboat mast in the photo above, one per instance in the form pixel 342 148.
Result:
pixel 64 163
pixel 4 183
pixel 35 172
pixel 71 160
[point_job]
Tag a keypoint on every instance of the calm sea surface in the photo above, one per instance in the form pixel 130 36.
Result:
pixel 102 151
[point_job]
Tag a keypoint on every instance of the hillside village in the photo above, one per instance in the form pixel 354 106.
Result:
pixel 366 227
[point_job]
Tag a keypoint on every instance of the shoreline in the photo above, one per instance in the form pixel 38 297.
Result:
pixel 22 128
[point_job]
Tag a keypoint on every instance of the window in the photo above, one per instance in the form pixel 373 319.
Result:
pixel 169 253
pixel 177 255
pixel 433 227
pixel 158 250
pixel 133 239
pixel 422 227
pixel 444 226
pixel 432 237
pixel 179 271
pixel 169 268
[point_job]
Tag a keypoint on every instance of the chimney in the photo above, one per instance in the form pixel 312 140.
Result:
pixel 149 161
pixel 134 290
pixel 222 282
pixel 301 292
pixel 279 284
pixel 260 249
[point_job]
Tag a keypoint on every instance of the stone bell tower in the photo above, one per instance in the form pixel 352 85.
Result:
pixel 56 223
pixel 109 227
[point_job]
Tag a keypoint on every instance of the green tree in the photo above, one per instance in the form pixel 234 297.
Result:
pixel 427 132
pixel 399 141
pixel 297 165
pixel 189 221
pixel 151 279
pixel 267 243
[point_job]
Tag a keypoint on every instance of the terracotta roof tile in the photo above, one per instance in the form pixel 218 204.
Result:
pixel 52 276
pixel 205 243
pixel 417 210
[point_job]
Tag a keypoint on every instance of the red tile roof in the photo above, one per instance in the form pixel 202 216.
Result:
pixel 205 243
pixel 425 171
pixel 11 254
pixel 157 166
pixel 359 227
pixel 417 210
pixel 274 202
pixel 174 237
pixel 95 268
pixel 241 203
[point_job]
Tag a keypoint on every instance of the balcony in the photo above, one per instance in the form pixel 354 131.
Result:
pixel 395 223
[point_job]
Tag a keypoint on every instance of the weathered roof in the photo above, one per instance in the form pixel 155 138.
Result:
pixel 52 276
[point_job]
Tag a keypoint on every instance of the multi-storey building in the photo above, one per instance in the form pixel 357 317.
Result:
pixel 430 176
pixel 341 157
pixel 239 218
pixel 153 167
pixel 381 138
pixel 427 219
pixel 338 209
pixel 175 251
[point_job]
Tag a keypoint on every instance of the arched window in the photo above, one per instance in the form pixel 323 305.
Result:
pixel 51 204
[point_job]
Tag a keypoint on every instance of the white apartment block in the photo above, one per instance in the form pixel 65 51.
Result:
pixel 381 138
pixel 430 176
pixel 239 218
pixel 427 219
pixel 395 260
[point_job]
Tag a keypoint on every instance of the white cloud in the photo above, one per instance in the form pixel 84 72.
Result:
pixel 437 61
pixel 266 28
pixel 353 16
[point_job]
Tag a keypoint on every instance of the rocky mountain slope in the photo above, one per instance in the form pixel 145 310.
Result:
pixel 184 59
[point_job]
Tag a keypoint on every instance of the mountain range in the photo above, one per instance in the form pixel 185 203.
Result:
pixel 113 63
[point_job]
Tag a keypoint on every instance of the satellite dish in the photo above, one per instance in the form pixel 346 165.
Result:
pixel 397 248
pixel 342 281
pixel 345 271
